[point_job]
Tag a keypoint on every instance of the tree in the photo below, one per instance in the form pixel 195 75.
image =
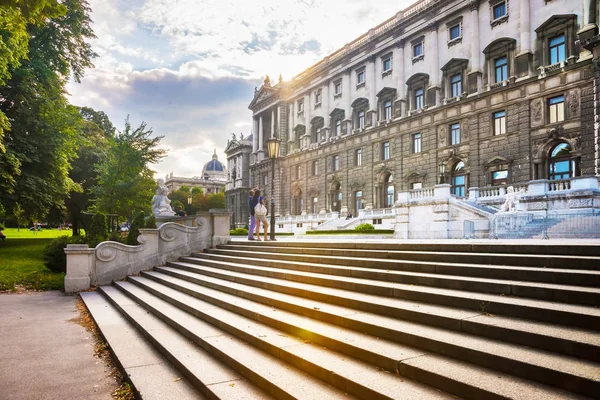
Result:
pixel 125 181
pixel 19 214
pixel 185 189
pixel 43 136
pixel 197 190
pixel 216 200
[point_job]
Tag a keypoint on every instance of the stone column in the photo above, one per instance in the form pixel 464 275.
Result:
pixel 260 139
pixel 372 90
pixel 272 122
pixel 475 76
pixel 347 93
pixel 433 94
pixel 254 135
pixel 399 66
pixel 524 60
pixel 326 110
pixel 307 117
pixel 292 125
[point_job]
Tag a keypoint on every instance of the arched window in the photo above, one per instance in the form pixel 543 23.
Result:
pixel 335 197
pixel 459 179
pixel 561 165
pixel 389 191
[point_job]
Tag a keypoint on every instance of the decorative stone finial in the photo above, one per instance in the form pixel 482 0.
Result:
pixel 267 81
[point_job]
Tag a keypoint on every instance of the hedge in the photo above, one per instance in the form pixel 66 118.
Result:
pixel 351 232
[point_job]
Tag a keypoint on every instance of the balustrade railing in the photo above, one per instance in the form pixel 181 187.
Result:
pixel 418 194
pixel 559 185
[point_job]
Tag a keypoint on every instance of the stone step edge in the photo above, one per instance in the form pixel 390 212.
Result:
pixel 138 386
pixel 338 381
pixel 532 339
pixel 474 356
pixel 394 366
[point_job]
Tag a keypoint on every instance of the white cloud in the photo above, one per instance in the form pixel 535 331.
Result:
pixel 188 67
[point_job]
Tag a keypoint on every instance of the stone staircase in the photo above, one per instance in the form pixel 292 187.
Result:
pixel 296 320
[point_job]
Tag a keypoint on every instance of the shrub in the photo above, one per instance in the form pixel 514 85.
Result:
pixel 364 227
pixel 239 232
pixel 115 236
pixel 54 255
pixel 2 227
pixel 134 230
pixel 150 222
pixel 98 231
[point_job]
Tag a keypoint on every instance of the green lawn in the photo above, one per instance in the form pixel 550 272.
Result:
pixel 21 260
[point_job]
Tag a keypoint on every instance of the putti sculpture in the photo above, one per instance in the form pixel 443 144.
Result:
pixel 161 205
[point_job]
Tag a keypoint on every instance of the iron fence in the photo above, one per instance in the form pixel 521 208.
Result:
pixel 541 226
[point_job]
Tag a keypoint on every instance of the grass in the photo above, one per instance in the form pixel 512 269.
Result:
pixel 21 263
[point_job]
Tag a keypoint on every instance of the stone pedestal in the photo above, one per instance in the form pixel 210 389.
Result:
pixel 80 266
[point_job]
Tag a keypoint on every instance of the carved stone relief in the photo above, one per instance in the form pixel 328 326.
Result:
pixel 580 203
pixel 537 112
pixel 573 103
pixel 442 135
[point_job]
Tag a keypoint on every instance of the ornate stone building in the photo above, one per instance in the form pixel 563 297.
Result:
pixel 471 93
pixel 213 178
pixel 238 152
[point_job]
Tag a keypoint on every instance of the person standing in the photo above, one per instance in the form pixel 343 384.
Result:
pixel 260 213
pixel 252 216
pixel 255 225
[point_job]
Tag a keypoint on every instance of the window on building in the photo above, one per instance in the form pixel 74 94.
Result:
pixel 417 185
pixel 385 151
pixel 499 122
pixel 387 110
pixel 419 98
pixel 386 64
pixel 315 205
pixel 338 127
pixel 501 69
pixel 499 10
pixel 300 106
pixel 296 172
pixel 454 134
pixel 556 109
pixel 360 77
pixel 318 97
pixel 416 142
pixel 455 32
pixel 358 200
pixel 560 162
pixel 315 168
pixel 558 49
pixel 335 163
pixel 417 49
pixel 265 181
pixel 459 180
pixel 456 85
pixel 389 190
pixel 361 120
pixel 337 88
pixel 500 177
pixel 357 157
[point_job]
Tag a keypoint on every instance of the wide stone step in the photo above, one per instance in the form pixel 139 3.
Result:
pixel 590 278
pixel 151 376
pixel 564 372
pixel 567 314
pixel 226 353
pixel 301 298
pixel 451 246
pixel 543 291
pixel 352 376
pixel 525 260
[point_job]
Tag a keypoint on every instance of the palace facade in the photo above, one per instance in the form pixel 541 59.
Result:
pixel 469 93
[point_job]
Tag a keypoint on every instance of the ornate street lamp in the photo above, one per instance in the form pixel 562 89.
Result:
pixel 273 153
pixel 442 173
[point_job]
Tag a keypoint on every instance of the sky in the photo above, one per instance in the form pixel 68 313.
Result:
pixel 188 68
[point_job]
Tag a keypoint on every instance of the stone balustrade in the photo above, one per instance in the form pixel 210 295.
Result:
pixel 111 261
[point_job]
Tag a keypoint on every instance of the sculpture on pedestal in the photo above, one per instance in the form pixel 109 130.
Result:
pixel 512 200
pixel 161 205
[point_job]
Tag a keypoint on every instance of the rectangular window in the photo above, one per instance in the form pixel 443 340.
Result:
pixel 315 205
pixel 455 32
pixel 360 77
pixel 499 178
pixel 418 50
pixel 335 163
pixel 556 109
pixel 499 10
pixel 386 64
pixel 338 127
pixel 419 98
pixel 387 110
pixel 459 184
pixel 315 168
pixel 416 143
pixel 499 122
pixel 265 180
pixel 296 172
pixel 385 151
pixel 300 106
pixel 454 134
pixel 361 120
pixel 456 85
pixel 501 69
pixel 558 49
pixel 337 88
pixel 417 185
pixel 357 157
pixel 318 97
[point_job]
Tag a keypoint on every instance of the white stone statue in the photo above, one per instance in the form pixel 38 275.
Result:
pixel 161 205
pixel 512 200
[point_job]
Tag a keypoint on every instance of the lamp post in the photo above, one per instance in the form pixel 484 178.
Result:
pixel 442 168
pixel 273 153
pixel 189 201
